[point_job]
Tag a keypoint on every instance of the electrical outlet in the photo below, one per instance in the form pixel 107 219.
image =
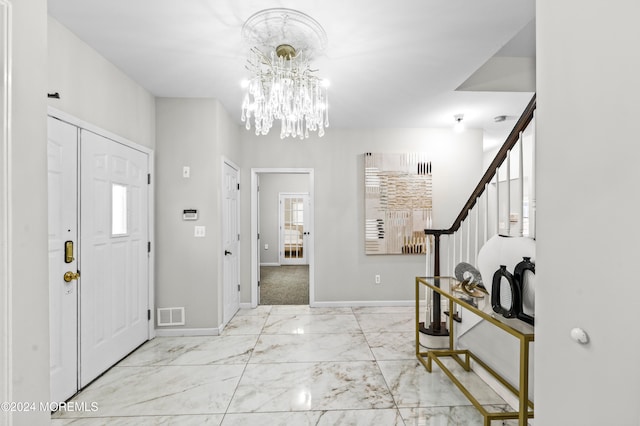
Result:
pixel 199 231
pixel 378 279
pixel 186 172
pixel 266 246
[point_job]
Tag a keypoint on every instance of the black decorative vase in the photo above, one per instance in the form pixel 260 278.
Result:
pixel 519 275
pixel 515 307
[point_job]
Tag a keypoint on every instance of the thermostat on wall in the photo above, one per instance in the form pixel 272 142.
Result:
pixel 190 214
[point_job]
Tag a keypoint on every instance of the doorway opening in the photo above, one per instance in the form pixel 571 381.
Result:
pixel 282 250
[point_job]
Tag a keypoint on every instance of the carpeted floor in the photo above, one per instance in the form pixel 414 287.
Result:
pixel 284 285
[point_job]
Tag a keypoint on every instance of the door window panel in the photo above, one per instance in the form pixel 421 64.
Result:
pixel 293 227
pixel 119 210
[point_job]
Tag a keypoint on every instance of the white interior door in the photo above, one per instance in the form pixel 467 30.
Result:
pixel 230 241
pixel 62 151
pixel 114 254
pixel 293 224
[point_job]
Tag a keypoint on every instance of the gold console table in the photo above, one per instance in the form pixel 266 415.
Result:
pixel 520 330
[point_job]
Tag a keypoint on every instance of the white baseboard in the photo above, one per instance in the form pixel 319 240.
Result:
pixel 350 304
pixel 270 264
pixel 363 303
pixel 182 332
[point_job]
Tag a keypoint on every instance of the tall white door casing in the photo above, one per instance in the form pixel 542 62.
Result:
pixel 230 241
pixel 257 212
pixel 62 152
pixel 114 253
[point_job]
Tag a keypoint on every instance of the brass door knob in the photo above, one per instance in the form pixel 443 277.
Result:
pixel 68 276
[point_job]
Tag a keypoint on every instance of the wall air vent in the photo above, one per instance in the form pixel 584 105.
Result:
pixel 170 316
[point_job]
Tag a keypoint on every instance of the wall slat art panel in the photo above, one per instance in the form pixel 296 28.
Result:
pixel 398 202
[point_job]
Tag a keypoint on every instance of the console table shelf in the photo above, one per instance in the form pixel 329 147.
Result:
pixel 520 330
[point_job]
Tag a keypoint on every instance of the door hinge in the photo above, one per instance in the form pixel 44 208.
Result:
pixel 238 237
pixel 238 287
pixel 148 314
pixel 258 283
pixel 148 178
pixel 258 235
pixel 238 187
pixel 148 246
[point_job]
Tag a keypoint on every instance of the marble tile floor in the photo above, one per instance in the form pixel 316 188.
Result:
pixel 285 365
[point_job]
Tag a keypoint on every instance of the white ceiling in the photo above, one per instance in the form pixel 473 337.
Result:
pixel 390 63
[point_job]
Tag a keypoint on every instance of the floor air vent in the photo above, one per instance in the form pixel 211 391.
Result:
pixel 170 316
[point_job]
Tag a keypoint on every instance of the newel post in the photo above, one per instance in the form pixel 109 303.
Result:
pixel 436 327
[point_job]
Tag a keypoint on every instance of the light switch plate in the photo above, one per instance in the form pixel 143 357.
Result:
pixel 199 231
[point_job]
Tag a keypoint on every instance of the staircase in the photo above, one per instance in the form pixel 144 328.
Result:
pixel 503 203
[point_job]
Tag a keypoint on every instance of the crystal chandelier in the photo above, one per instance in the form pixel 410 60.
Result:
pixel 282 86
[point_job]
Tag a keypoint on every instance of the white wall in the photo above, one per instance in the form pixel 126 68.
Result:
pixel 48 58
pixel 271 185
pixel 588 199
pixel 195 133
pixel 343 272
pixel 5 279
pixel 94 90
pixel 29 303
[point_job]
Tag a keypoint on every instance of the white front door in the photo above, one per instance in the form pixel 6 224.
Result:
pixel 293 224
pixel 230 242
pixel 114 253
pixel 62 152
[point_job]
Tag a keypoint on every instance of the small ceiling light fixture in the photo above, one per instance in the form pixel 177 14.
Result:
pixel 282 85
pixel 458 125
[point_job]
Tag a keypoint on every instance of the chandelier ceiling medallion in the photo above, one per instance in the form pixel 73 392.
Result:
pixel 282 85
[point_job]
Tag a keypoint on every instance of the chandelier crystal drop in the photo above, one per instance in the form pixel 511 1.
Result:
pixel 282 86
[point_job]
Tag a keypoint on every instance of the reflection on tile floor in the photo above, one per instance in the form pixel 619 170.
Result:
pixel 285 365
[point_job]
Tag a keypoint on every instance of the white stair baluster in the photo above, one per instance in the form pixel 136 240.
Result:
pixel 453 259
pixel 459 233
pixel 468 237
pixel 521 203
pixel 486 213
pixel 508 219
pixel 475 251
pixel 498 200
pixel 532 191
